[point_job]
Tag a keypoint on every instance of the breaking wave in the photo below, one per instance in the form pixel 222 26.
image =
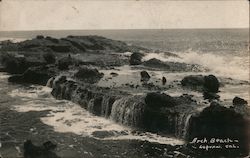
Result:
pixel 230 66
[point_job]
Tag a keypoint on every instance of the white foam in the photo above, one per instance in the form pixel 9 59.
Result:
pixel 65 116
pixel 147 136
pixel 4 76
pixel 32 93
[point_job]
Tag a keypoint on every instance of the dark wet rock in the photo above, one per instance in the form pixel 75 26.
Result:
pixel 211 83
pixel 210 96
pixel 95 106
pixel 88 75
pixel 49 57
pixel 114 74
pixel 193 82
pixel 144 76
pixel 97 100
pixel 43 151
pixel 219 123
pixel 201 83
pixel 17 64
pixel 65 62
pixel 49 145
pixel 35 75
pixel 73 44
pixel 136 59
pixel 239 101
pixel 39 37
pixel 154 112
pixel 171 66
pixel 158 100
pixel 156 63
pixel 164 80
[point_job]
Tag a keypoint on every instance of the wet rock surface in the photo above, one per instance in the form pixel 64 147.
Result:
pixel 89 75
pixel 136 59
pixel 170 66
pixel 201 83
pixel 43 151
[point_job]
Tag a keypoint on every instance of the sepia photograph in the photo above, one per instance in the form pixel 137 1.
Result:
pixel 124 79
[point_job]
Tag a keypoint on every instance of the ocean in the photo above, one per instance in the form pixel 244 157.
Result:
pixel 224 51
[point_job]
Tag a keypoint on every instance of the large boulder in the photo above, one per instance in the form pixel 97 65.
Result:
pixel 136 59
pixel 222 130
pixel 201 83
pixel 144 76
pixel 211 84
pixel 88 75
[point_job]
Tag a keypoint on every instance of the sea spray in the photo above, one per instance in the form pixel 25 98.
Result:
pixel 220 64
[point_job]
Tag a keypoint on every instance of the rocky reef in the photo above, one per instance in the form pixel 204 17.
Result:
pixel 54 62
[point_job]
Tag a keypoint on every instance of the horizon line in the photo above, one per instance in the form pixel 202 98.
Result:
pixel 125 29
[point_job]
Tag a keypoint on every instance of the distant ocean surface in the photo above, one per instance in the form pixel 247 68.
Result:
pixel 224 51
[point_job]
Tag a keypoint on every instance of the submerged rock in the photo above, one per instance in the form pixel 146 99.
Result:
pixel 43 151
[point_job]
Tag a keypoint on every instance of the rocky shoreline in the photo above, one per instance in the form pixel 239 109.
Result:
pixel 71 67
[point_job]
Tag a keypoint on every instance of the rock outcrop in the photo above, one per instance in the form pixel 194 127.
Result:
pixel 70 44
pixel 221 128
pixel 35 75
pixel 17 64
pixel 154 112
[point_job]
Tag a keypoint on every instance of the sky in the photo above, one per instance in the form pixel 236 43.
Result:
pixel 121 14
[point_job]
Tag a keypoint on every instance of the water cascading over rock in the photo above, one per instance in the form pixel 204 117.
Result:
pixel 129 111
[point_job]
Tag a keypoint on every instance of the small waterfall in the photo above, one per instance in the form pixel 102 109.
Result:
pixel 95 106
pixel 187 125
pixel 107 103
pixel 128 111
pixel 182 123
pixel 50 82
